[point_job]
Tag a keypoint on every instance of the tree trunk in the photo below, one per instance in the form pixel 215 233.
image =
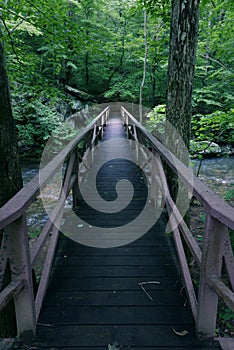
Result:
pixel 153 91
pixel 183 43
pixel 145 66
pixel 87 70
pixel 10 179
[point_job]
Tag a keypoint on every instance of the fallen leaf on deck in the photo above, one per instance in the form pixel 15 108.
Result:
pixel 115 346
pixel 181 334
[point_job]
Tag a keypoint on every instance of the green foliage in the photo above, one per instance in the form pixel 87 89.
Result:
pixel 61 136
pixel 229 195
pixel 98 47
pixel 225 321
pixel 156 8
pixel 207 130
pixel 34 233
pixel 214 81
pixel 35 123
pixel 204 147
pixel 217 127
pixel 156 119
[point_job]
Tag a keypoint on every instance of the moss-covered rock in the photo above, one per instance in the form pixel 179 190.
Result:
pixel 205 148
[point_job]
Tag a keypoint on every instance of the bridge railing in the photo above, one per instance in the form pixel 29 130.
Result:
pixel 15 250
pixel 216 249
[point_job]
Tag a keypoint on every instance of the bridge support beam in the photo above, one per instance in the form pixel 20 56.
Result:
pixel 212 255
pixel 19 257
pixel 76 195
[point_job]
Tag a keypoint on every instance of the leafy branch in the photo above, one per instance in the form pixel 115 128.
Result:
pixel 219 62
pixel 12 42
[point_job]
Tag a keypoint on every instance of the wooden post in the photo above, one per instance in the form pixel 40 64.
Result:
pixel 155 182
pixel 76 195
pixel 212 254
pixel 102 124
pixel 107 115
pixel 19 257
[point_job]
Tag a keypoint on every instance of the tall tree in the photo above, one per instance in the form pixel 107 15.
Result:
pixel 145 64
pixel 10 179
pixel 181 64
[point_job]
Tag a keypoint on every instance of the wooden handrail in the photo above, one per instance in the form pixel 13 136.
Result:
pixel 216 246
pixel 220 216
pixel 213 204
pixel 15 237
pixel 10 292
pixel 17 205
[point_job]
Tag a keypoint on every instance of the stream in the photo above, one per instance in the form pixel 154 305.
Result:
pixel 217 173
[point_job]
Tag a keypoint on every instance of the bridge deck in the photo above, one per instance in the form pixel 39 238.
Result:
pixel 94 297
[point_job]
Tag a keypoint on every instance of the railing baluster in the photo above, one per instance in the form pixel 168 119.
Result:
pixel 173 220
pixel 216 247
pixel 47 268
pixel 15 245
pixel 19 257
pixel 76 195
pixel 212 254
pixel 3 261
pixel 229 259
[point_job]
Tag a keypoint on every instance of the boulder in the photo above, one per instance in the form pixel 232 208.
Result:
pixel 205 148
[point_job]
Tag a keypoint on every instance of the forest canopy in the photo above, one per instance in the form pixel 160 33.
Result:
pixel 98 47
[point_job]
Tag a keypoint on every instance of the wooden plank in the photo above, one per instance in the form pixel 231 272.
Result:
pixel 125 335
pixel 102 315
pixel 110 284
pixel 137 248
pixel 76 261
pixel 200 347
pixel 143 272
pixel 101 298
pixel 10 292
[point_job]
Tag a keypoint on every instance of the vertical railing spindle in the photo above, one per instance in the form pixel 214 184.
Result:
pixel 212 254
pixel 20 263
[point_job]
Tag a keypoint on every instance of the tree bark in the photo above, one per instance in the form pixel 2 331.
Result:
pixel 183 43
pixel 10 179
pixel 145 66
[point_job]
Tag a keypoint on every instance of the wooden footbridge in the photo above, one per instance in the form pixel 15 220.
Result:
pixel 109 281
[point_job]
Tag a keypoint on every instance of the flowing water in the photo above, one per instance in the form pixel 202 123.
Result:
pixel 217 173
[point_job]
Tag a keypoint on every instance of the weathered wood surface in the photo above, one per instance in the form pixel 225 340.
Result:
pixel 94 298
pixel 216 244
pixel 211 202
pixel 17 206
